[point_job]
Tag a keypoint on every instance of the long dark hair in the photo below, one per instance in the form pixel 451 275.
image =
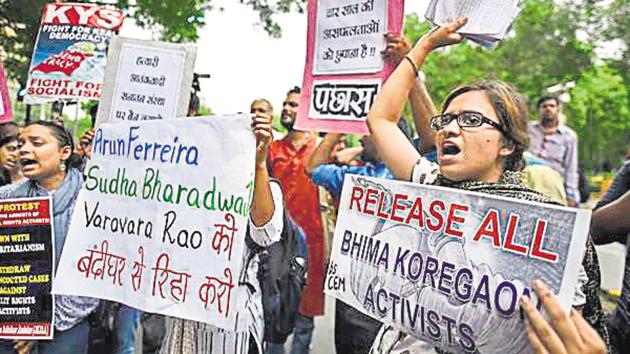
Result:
pixel 511 109
pixel 64 138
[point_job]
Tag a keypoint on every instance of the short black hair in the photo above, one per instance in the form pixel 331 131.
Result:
pixel 295 89
pixel 545 99
pixel 9 132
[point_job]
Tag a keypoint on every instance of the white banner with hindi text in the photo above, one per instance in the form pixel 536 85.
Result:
pixel 161 220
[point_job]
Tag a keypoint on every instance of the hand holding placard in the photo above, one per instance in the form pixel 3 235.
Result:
pixel 488 20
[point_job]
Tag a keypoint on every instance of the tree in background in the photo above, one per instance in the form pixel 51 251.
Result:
pixel 19 23
pixel 599 112
pixel 615 19
pixel 173 20
pixel 531 57
pixel 546 46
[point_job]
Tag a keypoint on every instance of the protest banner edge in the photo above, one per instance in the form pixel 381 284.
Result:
pixel 50 336
pixel 395 18
pixel 113 64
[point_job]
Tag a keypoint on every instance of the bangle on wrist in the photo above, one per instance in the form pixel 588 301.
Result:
pixel 413 65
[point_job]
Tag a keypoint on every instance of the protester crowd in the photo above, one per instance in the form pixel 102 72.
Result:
pixel 481 140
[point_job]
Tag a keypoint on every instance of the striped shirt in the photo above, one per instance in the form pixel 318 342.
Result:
pixel 184 336
pixel 560 150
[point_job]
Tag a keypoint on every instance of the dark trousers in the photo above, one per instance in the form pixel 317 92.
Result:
pixel 354 331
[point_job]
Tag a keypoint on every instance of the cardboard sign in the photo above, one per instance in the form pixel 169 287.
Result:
pixel 344 69
pixel 27 259
pixel 161 220
pixel 449 266
pixel 70 52
pixel 146 81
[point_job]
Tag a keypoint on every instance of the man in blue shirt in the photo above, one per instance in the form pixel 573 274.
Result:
pixel 354 331
pixel 330 174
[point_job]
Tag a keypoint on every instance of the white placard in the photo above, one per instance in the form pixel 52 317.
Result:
pixel 349 36
pixel 146 81
pixel 160 222
pixel 449 266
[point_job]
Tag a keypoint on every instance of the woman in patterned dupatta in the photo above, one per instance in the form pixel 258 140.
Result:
pixel 480 138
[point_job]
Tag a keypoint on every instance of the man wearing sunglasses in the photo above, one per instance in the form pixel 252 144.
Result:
pixel 556 144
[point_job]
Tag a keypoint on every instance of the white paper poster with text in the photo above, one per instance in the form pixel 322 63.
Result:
pixel 160 222
pixel 146 80
pixel 344 67
pixel 449 266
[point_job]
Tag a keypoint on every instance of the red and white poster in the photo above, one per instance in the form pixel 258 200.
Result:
pixel 5 105
pixel 344 69
pixel 448 266
pixel 27 258
pixel 71 52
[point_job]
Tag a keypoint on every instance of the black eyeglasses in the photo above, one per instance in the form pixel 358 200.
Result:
pixel 465 119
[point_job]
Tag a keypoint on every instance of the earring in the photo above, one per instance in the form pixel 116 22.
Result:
pixel 62 166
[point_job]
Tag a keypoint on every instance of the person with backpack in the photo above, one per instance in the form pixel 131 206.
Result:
pixel 264 229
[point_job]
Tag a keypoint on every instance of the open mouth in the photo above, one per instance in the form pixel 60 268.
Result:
pixel 27 162
pixel 450 149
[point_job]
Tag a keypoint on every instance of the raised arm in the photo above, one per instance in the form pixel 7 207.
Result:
pixel 263 205
pixel 393 147
pixel 322 151
pixel 422 106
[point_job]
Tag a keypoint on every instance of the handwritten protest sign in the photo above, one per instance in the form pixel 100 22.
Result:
pixel 70 53
pixel 5 105
pixel 26 268
pixel 160 222
pixel 344 69
pixel 448 266
pixel 146 80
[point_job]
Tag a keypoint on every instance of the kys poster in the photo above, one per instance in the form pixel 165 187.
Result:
pixel 71 52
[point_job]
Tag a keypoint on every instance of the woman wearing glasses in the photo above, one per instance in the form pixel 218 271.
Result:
pixel 480 138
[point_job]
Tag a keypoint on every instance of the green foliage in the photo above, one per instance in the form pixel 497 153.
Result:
pixel 543 49
pixel 599 112
pixel 277 125
pixel 178 20
pixel 616 20
pixel 19 24
pixel 174 20
pixel 205 110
